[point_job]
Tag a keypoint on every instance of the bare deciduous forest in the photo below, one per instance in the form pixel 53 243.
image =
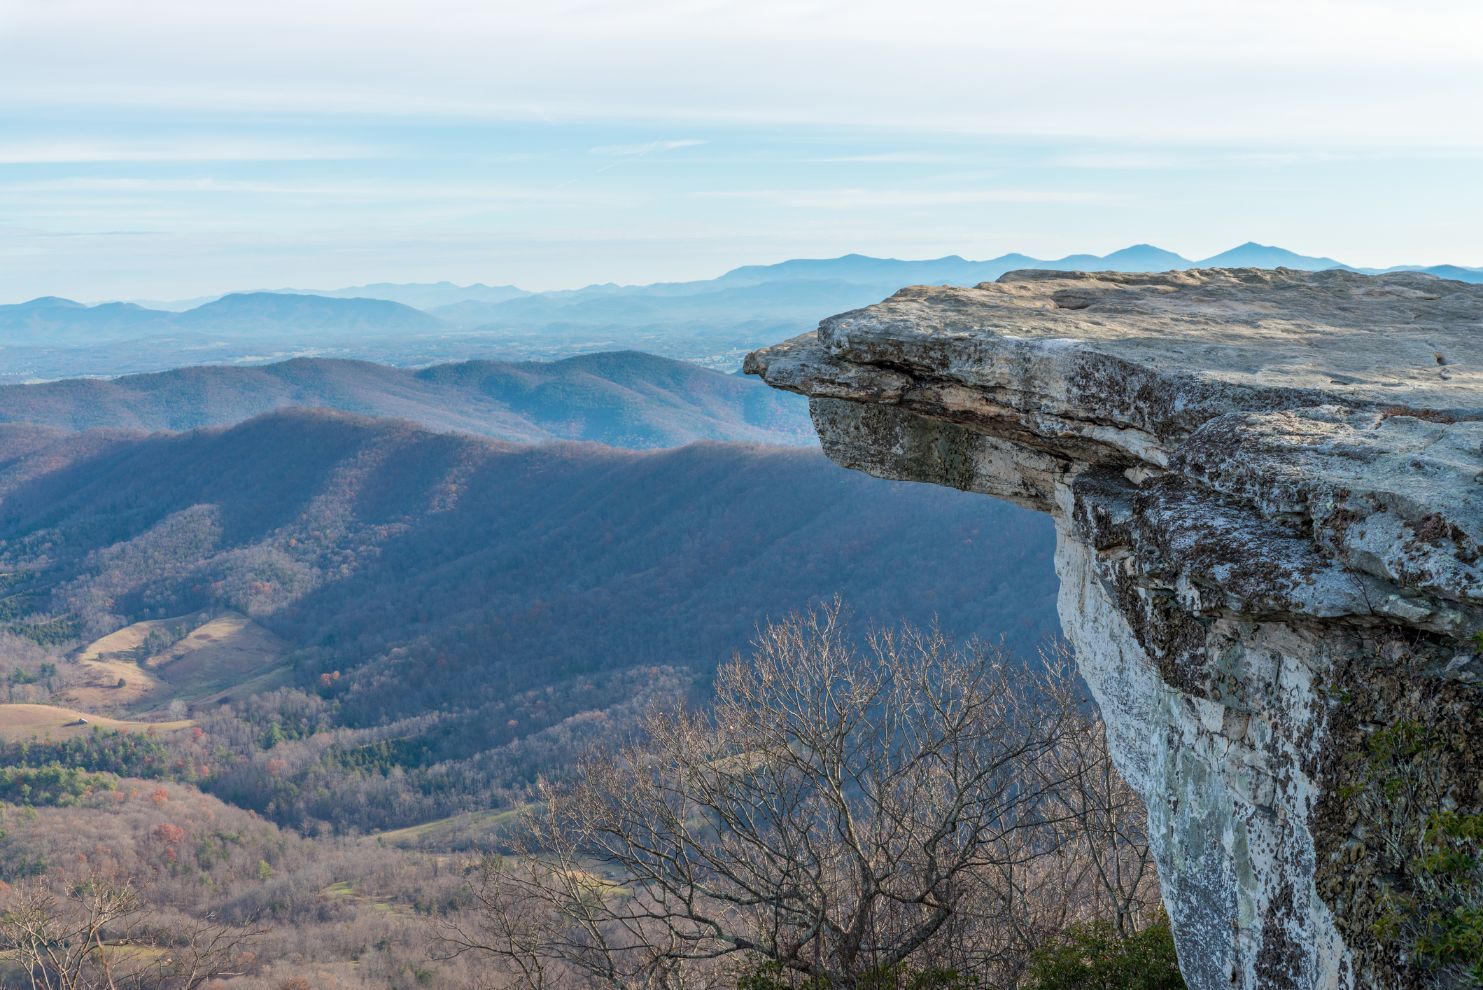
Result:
pixel 904 812
pixel 319 701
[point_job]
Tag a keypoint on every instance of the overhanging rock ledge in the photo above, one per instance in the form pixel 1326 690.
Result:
pixel 1268 495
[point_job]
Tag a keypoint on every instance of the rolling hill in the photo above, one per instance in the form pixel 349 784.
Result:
pixel 456 603
pixel 625 399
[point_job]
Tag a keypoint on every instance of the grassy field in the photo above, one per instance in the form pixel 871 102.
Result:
pixel 125 643
pixel 216 657
pixel 226 655
pixel 472 828
pixel 21 722
pixel 116 657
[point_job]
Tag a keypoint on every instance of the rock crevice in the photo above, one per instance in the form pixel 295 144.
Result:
pixel 1268 495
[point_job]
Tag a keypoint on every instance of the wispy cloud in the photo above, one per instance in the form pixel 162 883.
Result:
pixel 854 199
pixel 99 233
pixel 23 232
pixel 98 184
pixel 1119 160
pixel 1216 156
pixel 234 150
pixel 900 158
pixel 648 148
pixel 356 190
pixel 1136 160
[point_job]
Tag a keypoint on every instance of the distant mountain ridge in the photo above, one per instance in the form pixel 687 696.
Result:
pixel 422 295
pixel 622 399
pixel 1135 258
pixel 1254 255
pixel 708 321
pixel 464 305
pixel 244 312
pixel 52 320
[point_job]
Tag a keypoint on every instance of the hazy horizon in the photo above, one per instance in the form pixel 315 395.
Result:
pixel 168 150
pixel 494 282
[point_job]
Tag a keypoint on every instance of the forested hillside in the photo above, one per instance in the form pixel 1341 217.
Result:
pixel 450 615
pixel 624 399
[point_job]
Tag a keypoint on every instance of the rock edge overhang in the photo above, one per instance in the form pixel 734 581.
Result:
pixel 1304 443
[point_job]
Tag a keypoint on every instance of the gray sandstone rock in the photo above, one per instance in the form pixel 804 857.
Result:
pixel 1268 494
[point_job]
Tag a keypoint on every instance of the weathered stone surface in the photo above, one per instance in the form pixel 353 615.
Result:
pixel 1268 491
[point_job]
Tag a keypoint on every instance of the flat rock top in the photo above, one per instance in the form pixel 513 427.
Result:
pixel 1399 339
pixel 1353 401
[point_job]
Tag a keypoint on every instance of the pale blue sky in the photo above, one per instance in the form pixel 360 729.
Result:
pixel 165 149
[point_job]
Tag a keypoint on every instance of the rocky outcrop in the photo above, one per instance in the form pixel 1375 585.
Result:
pixel 1268 494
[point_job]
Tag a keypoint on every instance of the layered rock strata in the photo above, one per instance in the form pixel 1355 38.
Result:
pixel 1268 495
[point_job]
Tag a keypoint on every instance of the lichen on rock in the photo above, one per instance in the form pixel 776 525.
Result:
pixel 1268 495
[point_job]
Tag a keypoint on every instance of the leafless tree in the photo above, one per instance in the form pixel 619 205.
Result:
pixel 98 933
pixel 840 813
pixel 1108 867
pixel 1100 867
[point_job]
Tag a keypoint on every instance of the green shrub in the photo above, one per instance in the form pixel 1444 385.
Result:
pixel 1431 892
pixel 1091 956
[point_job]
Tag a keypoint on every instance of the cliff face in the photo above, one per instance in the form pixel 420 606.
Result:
pixel 1268 495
